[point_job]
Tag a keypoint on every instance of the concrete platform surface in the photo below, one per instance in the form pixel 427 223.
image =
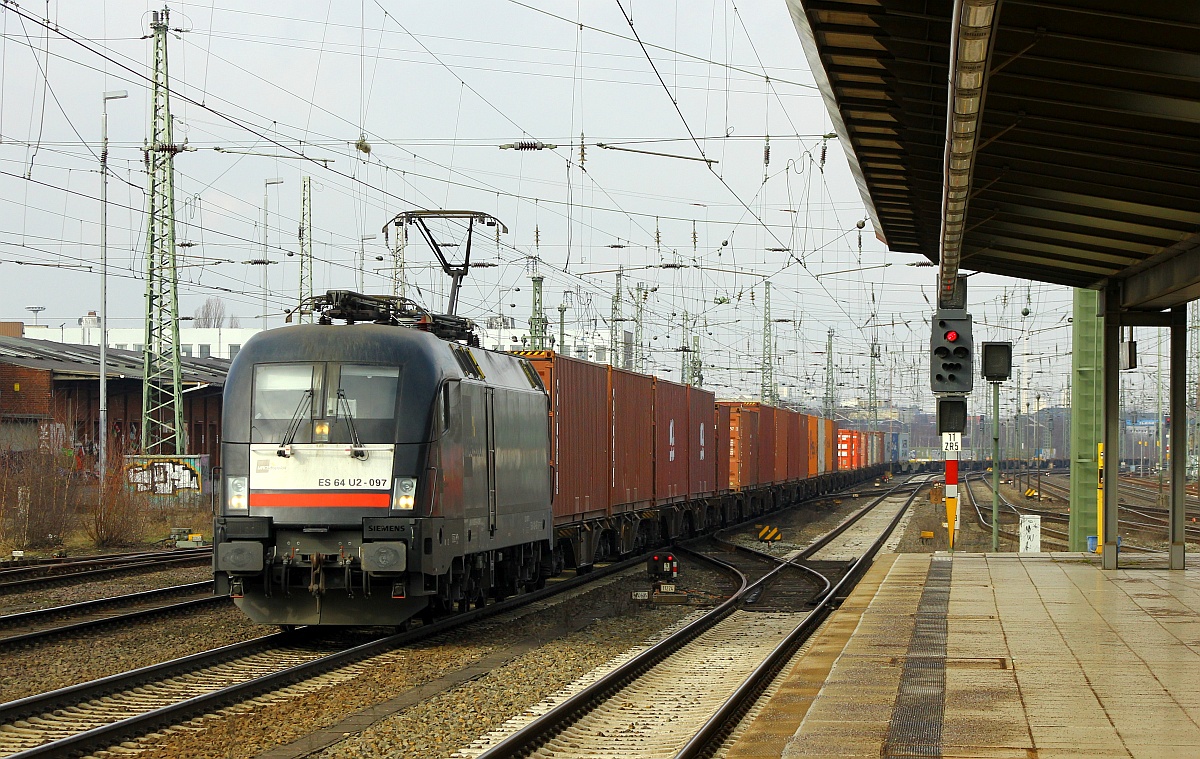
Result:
pixel 1029 656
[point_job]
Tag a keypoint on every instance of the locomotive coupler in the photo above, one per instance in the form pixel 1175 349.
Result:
pixel 348 580
pixel 287 572
pixel 316 581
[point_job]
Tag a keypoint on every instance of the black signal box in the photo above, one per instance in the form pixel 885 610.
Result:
pixel 997 361
pixel 951 414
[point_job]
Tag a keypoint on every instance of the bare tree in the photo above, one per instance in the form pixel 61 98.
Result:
pixel 211 314
pixel 235 322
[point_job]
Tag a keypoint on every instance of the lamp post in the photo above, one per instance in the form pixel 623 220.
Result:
pixel 102 464
pixel 35 310
pixel 266 186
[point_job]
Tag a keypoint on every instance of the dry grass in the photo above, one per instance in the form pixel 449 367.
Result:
pixel 38 494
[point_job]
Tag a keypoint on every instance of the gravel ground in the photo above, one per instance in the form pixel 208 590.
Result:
pixel 801 525
pixel 64 661
pixel 511 662
pixel 44 598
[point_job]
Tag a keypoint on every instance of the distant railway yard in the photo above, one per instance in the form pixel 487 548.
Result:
pixel 160 680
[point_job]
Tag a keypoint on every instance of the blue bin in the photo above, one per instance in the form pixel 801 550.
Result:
pixel 1093 541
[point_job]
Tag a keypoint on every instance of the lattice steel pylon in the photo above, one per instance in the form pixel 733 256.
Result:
pixel 830 382
pixel 767 393
pixel 306 253
pixel 872 392
pixel 639 321
pixel 537 320
pixel 162 404
pixel 614 325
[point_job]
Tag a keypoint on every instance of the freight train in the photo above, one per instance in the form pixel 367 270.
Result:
pixel 378 471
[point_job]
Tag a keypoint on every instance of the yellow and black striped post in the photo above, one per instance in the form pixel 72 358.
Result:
pixel 767 533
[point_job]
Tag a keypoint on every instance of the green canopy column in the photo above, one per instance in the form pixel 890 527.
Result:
pixel 1087 413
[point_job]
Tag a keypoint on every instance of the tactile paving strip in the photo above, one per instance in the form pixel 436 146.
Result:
pixel 916 725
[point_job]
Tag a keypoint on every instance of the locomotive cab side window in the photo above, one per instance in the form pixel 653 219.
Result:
pixel 283 392
pixel 365 400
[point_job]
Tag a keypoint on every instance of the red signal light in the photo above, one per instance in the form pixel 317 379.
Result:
pixel 952 336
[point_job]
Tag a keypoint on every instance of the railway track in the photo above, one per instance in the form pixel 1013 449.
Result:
pixel 1139 510
pixel 39 625
pixel 95 715
pixel 90 568
pixel 1059 536
pixel 681 696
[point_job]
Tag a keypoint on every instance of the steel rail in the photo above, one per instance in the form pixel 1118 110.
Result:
pixel 126 729
pixel 145 565
pixel 87 625
pixel 734 709
pixel 536 733
pixel 35 616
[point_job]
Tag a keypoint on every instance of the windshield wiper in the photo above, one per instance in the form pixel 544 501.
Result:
pixel 356 447
pixel 285 447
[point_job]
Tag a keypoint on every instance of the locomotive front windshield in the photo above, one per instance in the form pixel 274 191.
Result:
pixel 324 403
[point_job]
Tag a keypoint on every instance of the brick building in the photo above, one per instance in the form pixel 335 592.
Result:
pixel 50 398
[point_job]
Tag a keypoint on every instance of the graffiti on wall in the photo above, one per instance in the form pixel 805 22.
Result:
pixel 166 475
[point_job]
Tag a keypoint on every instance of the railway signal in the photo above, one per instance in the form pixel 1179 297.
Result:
pixel 951 352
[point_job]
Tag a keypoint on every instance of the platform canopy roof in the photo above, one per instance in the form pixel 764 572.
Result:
pixel 1086 161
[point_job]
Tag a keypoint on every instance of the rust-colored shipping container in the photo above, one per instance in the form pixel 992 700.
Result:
pixel 631 411
pixel 798 448
pixel 671 441
pixel 702 446
pixel 815 458
pixel 721 449
pixel 744 432
pixel 783 425
pixel 579 444
pixel 766 439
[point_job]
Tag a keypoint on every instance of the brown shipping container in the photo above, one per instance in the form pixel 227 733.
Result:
pixel 798 448
pixel 743 445
pixel 579 433
pixel 814 443
pixel 631 410
pixel 721 449
pixel 783 423
pixel 766 447
pixel 702 437
pixel 671 441
pixel 830 444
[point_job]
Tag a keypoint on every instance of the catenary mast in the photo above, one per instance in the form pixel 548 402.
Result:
pixel 162 404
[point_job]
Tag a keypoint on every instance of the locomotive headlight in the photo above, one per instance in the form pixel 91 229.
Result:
pixel 404 494
pixel 321 431
pixel 238 490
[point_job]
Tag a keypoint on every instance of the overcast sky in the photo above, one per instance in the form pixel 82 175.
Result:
pixel 434 88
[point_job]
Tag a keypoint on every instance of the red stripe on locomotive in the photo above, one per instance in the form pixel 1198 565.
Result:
pixel 321 500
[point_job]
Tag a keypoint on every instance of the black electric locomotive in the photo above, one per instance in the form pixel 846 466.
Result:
pixel 375 471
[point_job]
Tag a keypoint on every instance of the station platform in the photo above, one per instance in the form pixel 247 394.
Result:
pixel 997 656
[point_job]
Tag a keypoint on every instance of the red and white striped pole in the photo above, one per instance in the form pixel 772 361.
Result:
pixel 951 493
